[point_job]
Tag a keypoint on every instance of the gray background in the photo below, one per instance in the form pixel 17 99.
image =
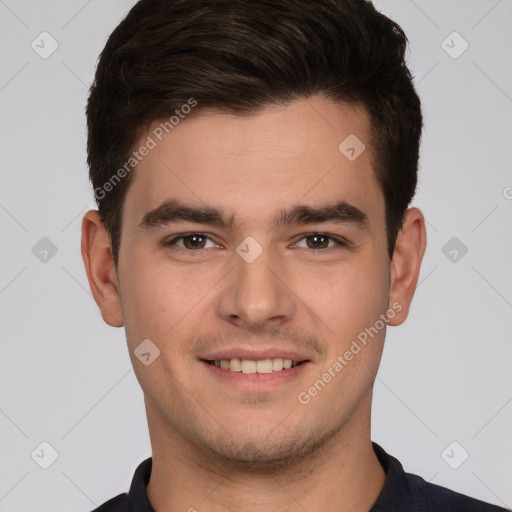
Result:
pixel 65 376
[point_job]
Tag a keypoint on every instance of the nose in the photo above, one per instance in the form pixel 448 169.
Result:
pixel 257 295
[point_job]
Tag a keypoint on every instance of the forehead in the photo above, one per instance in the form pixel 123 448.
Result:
pixel 309 151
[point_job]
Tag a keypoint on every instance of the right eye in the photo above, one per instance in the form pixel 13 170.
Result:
pixel 192 242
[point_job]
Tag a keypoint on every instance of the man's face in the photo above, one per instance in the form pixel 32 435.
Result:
pixel 256 289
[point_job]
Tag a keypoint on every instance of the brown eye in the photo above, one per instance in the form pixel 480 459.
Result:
pixel 194 241
pixel 190 241
pixel 320 241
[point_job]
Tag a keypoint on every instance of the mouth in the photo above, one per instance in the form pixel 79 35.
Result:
pixel 251 366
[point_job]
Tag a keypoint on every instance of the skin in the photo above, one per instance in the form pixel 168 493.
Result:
pixel 216 447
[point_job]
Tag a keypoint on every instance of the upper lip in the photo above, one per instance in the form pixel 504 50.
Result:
pixel 254 354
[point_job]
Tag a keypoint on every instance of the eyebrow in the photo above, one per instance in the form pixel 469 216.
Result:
pixel 172 210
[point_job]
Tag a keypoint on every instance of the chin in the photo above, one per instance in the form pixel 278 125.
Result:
pixel 260 452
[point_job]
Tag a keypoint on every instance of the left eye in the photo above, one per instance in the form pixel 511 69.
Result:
pixel 196 241
pixel 319 241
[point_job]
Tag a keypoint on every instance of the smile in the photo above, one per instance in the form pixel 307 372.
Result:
pixel 248 366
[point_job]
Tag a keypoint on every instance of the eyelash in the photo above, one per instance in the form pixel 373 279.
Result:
pixel 340 243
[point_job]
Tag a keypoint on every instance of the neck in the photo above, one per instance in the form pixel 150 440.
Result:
pixel 343 474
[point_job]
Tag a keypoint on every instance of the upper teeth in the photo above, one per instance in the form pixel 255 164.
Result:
pixel 251 366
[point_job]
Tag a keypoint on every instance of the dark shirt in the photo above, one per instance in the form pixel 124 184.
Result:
pixel 402 492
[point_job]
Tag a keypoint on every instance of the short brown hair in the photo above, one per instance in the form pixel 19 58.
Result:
pixel 243 55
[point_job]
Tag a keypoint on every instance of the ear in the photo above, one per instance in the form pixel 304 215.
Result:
pixel 99 265
pixel 410 247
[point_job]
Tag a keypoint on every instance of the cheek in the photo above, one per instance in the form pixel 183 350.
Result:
pixel 346 297
pixel 350 304
pixel 145 293
pixel 158 298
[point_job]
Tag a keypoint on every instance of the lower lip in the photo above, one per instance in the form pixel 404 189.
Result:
pixel 257 381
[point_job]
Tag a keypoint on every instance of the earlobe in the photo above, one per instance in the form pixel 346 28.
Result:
pixel 406 262
pixel 99 265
